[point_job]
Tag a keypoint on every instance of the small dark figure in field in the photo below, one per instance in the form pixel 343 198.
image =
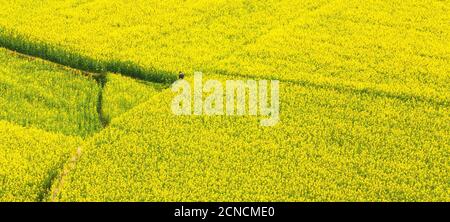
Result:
pixel 181 75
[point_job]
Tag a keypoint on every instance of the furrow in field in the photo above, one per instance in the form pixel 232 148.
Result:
pixel 351 87
pixel 30 159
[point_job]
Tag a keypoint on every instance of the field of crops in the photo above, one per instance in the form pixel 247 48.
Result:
pixel 364 100
pixel 30 160
pixel 343 146
pixel 35 93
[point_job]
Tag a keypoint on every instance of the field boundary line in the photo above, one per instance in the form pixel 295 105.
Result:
pixel 59 183
pixel 345 88
pixel 14 53
pixel 23 44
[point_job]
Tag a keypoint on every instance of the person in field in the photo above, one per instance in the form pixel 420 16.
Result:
pixel 181 75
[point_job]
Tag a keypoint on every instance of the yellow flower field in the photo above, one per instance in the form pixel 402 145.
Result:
pixel 364 100
pixel 30 161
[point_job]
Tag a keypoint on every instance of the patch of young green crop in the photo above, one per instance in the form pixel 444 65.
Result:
pixel 329 145
pixel 122 93
pixel 30 159
pixel 44 95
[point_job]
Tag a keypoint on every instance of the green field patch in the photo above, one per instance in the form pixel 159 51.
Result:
pixel 121 93
pixel 44 95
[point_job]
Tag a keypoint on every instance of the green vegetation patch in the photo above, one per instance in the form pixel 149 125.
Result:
pixel 121 93
pixel 47 96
